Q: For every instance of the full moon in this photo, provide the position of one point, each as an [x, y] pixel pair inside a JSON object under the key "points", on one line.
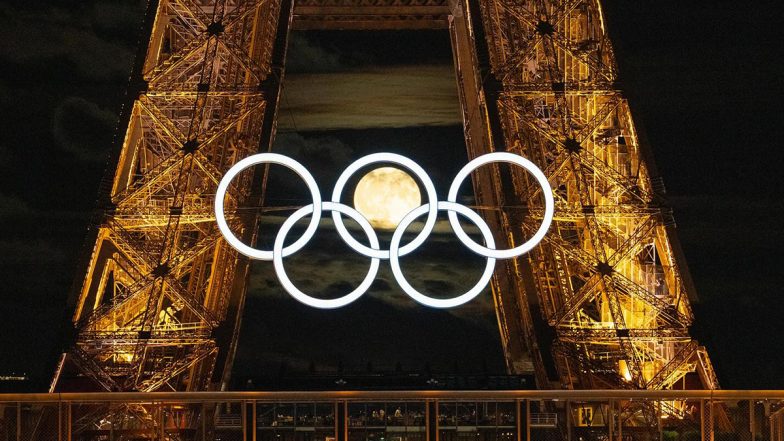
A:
{"points": [[385, 195]]}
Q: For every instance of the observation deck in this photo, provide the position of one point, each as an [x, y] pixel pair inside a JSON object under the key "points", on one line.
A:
{"points": [[511, 415]]}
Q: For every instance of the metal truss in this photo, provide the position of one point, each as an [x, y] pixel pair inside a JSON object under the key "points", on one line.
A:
{"points": [[372, 14], [608, 276], [160, 287], [160, 303]]}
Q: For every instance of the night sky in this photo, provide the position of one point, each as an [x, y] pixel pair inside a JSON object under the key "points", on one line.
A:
{"points": [[705, 85]]}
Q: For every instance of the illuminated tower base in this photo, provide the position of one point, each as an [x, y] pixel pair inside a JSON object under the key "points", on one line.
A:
{"points": [[161, 300]]}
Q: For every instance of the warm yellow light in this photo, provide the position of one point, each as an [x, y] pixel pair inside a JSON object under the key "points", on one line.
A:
{"points": [[624, 368], [385, 195], [123, 357]]}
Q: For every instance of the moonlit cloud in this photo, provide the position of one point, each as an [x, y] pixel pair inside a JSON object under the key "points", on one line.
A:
{"points": [[327, 268], [388, 97]]}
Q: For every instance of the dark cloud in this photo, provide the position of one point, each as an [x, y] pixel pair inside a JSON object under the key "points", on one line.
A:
{"points": [[82, 128], [438, 285], [323, 155], [13, 207], [5, 153], [381, 285], [313, 148], [440, 150], [305, 55], [55, 35], [283, 331], [327, 268], [29, 252], [119, 20]]}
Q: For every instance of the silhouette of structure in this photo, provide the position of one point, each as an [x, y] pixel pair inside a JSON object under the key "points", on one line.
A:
{"points": [[161, 300]]}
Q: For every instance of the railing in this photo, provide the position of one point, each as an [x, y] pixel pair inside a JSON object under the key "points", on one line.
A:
{"points": [[543, 419], [600, 415]]}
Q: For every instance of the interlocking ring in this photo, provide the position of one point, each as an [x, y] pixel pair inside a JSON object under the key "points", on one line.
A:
{"points": [[267, 158], [394, 262], [395, 250], [549, 204], [277, 259], [392, 158]]}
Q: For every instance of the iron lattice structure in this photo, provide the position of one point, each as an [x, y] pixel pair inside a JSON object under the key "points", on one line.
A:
{"points": [[160, 305], [162, 296], [609, 276]]}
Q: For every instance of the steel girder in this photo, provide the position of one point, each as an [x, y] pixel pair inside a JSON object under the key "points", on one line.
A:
{"points": [[607, 276], [159, 283]]}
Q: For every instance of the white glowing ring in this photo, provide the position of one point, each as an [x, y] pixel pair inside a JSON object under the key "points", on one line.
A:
{"points": [[395, 250], [549, 204], [277, 259], [267, 158], [394, 261], [392, 158]]}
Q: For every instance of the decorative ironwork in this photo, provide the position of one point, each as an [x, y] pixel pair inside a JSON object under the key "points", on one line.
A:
{"points": [[160, 287], [609, 278], [159, 306]]}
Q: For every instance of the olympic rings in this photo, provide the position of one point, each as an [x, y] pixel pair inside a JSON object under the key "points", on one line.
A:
{"points": [[373, 251]]}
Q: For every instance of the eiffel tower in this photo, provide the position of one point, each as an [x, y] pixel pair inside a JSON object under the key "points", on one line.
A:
{"points": [[160, 302]]}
